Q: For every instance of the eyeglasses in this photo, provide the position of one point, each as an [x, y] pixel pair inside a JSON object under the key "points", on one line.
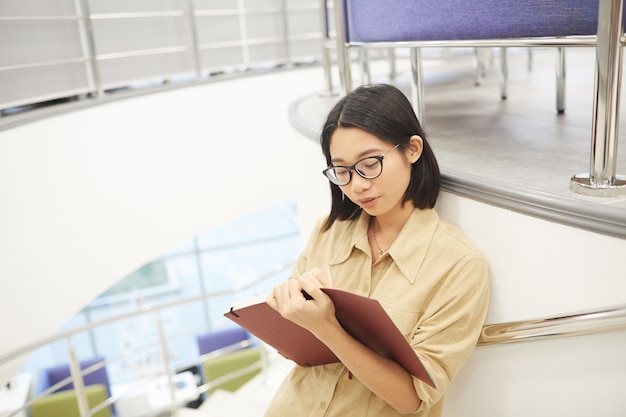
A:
{"points": [[369, 168]]}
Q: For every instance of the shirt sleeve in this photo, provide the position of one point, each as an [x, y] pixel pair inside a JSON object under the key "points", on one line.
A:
{"points": [[451, 325]]}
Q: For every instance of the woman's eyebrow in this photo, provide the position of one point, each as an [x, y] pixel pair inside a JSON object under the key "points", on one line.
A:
{"points": [[359, 156]]}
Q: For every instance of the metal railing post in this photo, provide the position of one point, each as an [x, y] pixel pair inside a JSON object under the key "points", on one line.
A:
{"points": [[504, 73], [77, 380], [82, 7], [417, 84], [194, 38], [560, 80], [325, 36], [343, 52], [602, 180], [166, 364], [284, 17], [243, 34]]}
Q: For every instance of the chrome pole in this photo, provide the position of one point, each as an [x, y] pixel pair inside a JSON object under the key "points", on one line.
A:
{"points": [[504, 73], [393, 71], [479, 65], [325, 36], [560, 80], [417, 84], [343, 51], [366, 72], [602, 180]]}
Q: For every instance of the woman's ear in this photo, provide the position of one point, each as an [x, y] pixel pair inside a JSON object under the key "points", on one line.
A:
{"points": [[414, 151]]}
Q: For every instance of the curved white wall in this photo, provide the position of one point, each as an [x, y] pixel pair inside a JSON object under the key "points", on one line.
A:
{"points": [[540, 268]]}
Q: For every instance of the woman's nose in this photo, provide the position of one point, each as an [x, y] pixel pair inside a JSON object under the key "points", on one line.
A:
{"points": [[359, 183]]}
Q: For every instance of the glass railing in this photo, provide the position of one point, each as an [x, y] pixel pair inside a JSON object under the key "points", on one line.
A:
{"points": [[67, 50]]}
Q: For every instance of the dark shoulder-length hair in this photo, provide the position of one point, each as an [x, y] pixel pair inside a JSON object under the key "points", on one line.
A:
{"points": [[384, 111]]}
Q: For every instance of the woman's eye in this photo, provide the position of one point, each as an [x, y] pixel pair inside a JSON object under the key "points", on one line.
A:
{"points": [[370, 164]]}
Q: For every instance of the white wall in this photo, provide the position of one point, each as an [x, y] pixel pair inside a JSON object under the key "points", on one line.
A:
{"points": [[539, 268]]}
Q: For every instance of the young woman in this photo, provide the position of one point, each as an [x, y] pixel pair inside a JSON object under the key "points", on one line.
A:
{"points": [[382, 239]]}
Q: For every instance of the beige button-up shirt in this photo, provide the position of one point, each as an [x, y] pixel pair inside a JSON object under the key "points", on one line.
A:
{"points": [[433, 284]]}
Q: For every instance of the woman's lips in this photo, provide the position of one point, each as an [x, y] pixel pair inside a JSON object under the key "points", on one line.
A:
{"points": [[368, 202]]}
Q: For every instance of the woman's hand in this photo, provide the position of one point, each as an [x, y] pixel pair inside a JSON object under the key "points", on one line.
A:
{"points": [[383, 376], [313, 314]]}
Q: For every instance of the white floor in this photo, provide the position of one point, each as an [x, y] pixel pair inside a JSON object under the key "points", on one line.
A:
{"points": [[520, 141]]}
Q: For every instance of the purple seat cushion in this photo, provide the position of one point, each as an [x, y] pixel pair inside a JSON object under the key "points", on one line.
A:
{"points": [[209, 342], [422, 20], [58, 373]]}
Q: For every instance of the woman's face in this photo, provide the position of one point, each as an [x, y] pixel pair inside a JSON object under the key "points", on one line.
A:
{"points": [[383, 195]]}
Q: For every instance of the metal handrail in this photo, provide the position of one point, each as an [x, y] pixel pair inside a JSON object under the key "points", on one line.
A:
{"points": [[143, 52], [236, 12], [573, 41], [584, 323], [137, 15], [38, 18], [42, 64]]}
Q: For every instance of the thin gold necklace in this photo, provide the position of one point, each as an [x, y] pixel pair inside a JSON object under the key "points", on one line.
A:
{"points": [[381, 252]]}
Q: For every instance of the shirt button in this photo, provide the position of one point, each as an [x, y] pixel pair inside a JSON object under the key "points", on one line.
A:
{"points": [[366, 288], [323, 405]]}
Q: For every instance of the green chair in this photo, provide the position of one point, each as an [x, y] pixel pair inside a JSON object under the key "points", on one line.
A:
{"points": [[64, 403], [221, 366]]}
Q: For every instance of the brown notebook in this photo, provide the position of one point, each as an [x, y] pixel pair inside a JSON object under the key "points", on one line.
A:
{"points": [[362, 317]]}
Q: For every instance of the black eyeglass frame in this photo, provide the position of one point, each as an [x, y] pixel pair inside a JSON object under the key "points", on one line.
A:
{"points": [[353, 167]]}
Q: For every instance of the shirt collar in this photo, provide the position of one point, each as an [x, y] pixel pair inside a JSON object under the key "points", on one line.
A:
{"points": [[408, 250]]}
